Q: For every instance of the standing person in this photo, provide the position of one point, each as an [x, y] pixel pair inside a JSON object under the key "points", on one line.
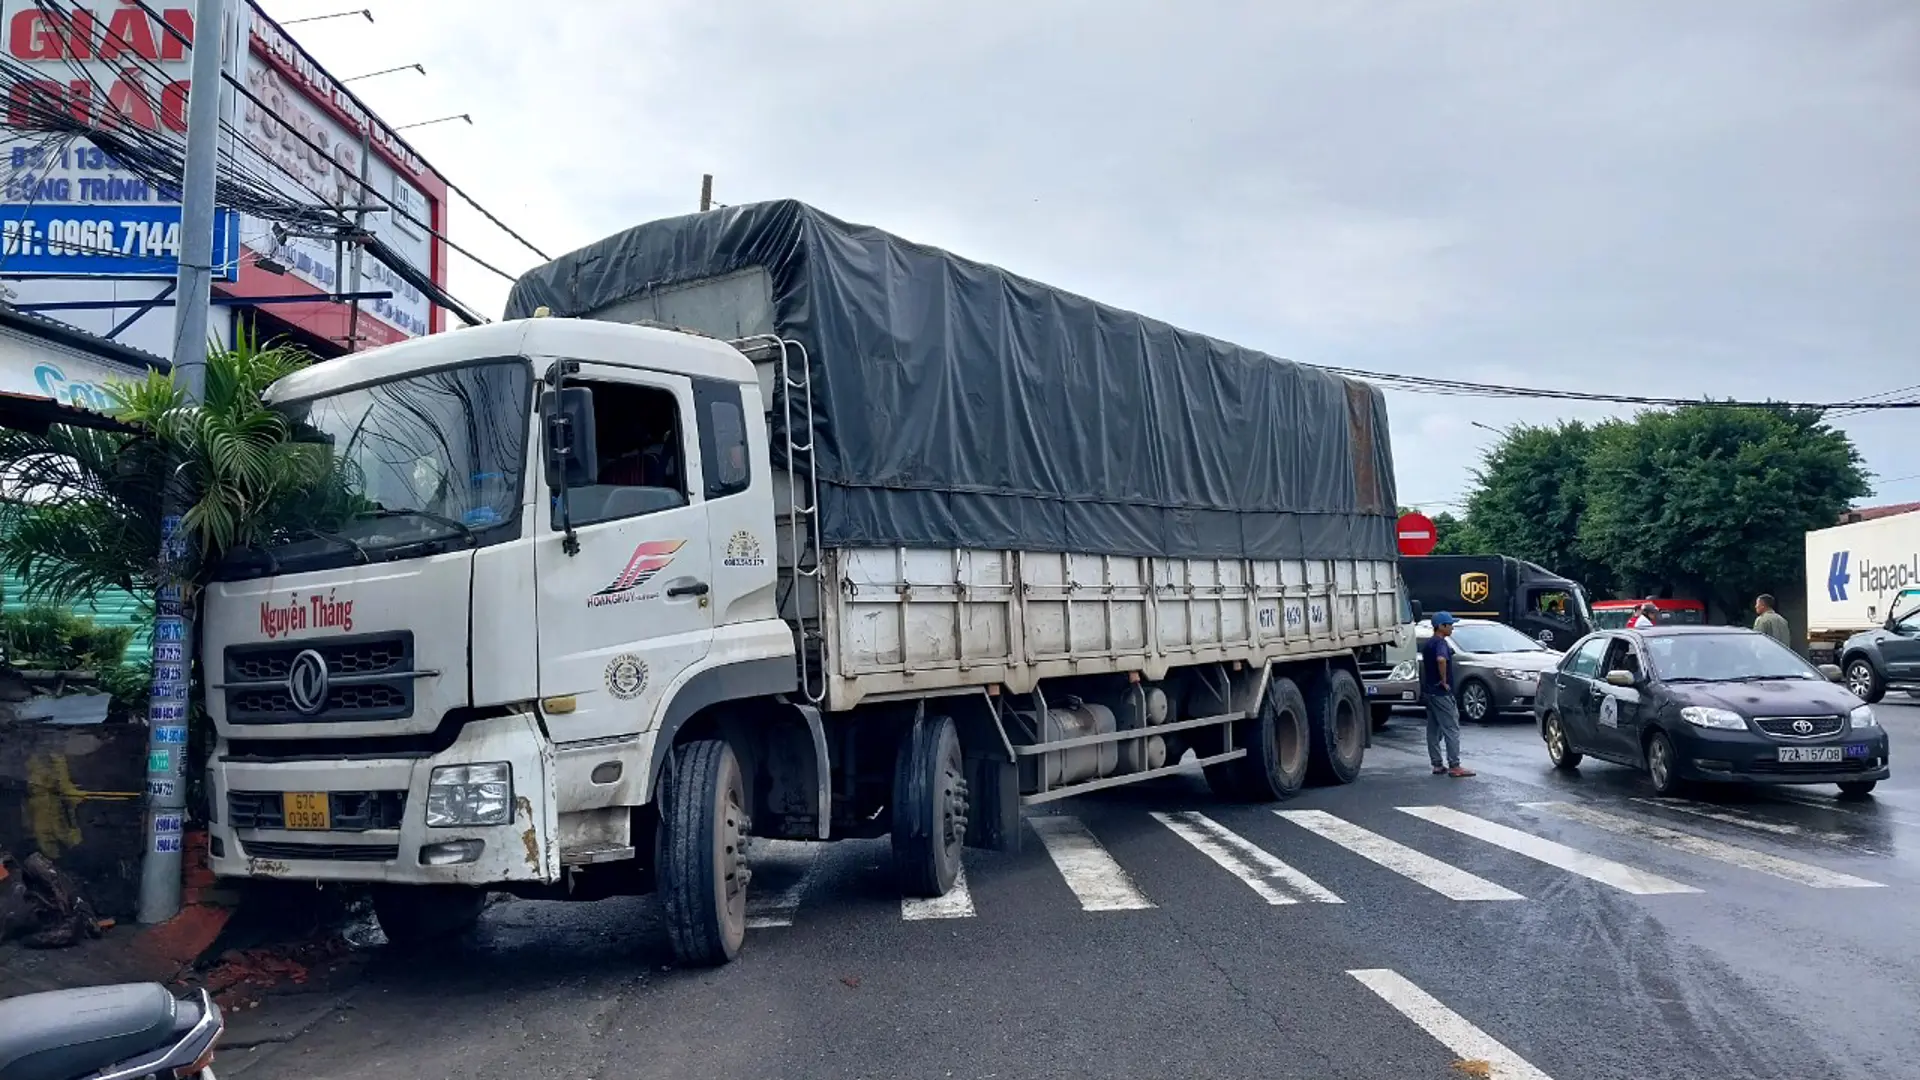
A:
{"points": [[1436, 686], [1646, 618], [1770, 622]]}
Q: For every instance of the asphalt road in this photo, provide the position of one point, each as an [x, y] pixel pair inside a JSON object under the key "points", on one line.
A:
{"points": [[1752, 933]]}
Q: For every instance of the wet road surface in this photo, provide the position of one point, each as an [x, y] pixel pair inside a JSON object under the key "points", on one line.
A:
{"points": [[1550, 925]]}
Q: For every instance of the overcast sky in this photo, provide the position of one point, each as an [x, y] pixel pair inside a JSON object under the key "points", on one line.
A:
{"points": [[1715, 197]]}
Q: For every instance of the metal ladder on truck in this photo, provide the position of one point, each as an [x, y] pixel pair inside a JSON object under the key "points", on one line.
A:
{"points": [[799, 585]]}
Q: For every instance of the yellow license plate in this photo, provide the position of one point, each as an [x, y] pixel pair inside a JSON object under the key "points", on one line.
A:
{"points": [[306, 811]]}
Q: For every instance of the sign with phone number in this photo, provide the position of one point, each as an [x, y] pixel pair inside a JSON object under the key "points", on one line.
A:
{"points": [[110, 241]]}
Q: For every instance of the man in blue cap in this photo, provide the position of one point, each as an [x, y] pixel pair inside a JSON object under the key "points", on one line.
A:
{"points": [[1436, 686]]}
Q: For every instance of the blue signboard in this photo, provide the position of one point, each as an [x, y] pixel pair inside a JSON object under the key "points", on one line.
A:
{"points": [[116, 241]]}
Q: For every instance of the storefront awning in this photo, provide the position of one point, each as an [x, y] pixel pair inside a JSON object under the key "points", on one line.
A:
{"points": [[26, 412]]}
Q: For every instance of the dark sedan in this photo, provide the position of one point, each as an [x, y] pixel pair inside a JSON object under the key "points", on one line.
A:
{"points": [[1700, 703]]}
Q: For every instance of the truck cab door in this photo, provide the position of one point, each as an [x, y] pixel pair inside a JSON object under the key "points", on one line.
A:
{"points": [[624, 617]]}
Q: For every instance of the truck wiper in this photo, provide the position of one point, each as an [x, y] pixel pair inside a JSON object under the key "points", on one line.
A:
{"points": [[460, 527], [336, 538]]}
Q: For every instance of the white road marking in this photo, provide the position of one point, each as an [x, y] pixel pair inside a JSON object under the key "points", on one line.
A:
{"points": [[957, 904], [1449, 1028], [1092, 874], [1540, 849], [1745, 820], [1240, 857], [1877, 810], [1447, 880], [765, 909], [1746, 858]]}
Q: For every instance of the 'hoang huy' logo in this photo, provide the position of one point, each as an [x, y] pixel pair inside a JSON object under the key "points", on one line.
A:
{"points": [[646, 563]]}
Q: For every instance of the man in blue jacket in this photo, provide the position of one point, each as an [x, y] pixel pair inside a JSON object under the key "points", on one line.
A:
{"points": [[1437, 687]]}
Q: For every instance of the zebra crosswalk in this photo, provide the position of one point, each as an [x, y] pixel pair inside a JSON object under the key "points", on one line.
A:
{"points": [[1425, 851]]}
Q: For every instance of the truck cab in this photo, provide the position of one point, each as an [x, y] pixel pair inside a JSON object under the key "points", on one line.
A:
{"points": [[1551, 609], [537, 548]]}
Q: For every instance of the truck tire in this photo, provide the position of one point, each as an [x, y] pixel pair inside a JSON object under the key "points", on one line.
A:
{"points": [[703, 865], [1339, 722], [418, 916], [1864, 681], [1279, 744], [929, 808]]}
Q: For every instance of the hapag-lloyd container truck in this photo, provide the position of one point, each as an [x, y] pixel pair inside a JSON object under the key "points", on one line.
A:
{"points": [[874, 542]]}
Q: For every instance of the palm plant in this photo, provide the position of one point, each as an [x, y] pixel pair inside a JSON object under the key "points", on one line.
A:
{"points": [[80, 508]]}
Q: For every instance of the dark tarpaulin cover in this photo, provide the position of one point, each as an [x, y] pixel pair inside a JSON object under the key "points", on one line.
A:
{"points": [[957, 405]]}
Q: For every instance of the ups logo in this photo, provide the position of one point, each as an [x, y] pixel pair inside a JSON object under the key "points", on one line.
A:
{"points": [[1474, 587]]}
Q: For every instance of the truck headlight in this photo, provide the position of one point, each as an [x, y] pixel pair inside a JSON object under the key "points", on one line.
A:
{"points": [[1862, 717], [1705, 716], [1404, 671], [470, 795]]}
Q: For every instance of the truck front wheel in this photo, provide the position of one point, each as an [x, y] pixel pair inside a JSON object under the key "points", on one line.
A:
{"points": [[929, 808], [416, 916], [703, 864]]}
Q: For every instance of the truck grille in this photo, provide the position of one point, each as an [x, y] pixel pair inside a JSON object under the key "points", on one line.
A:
{"points": [[1815, 727], [369, 677], [331, 852], [349, 811]]}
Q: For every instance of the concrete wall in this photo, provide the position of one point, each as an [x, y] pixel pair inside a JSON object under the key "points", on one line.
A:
{"points": [[74, 794]]}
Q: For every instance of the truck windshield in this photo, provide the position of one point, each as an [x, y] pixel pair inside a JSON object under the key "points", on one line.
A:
{"points": [[424, 459]]}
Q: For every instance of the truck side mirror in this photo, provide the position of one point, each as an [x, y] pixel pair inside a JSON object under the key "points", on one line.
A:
{"points": [[1418, 612], [572, 458]]}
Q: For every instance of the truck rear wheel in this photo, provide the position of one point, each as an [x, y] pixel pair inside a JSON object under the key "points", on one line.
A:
{"points": [[416, 916], [1339, 723], [703, 865], [1279, 749], [929, 808]]}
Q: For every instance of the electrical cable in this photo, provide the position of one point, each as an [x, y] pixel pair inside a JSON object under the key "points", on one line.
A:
{"points": [[395, 207], [1420, 384]]}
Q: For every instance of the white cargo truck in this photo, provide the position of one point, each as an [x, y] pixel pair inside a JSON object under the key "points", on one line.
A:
{"points": [[1854, 572], [885, 544]]}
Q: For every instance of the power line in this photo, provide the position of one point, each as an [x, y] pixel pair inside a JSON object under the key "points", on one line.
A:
{"points": [[369, 113], [1420, 384], [366, 187]]}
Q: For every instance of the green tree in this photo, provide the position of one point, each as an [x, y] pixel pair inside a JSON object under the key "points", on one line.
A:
{"points": [[1528, 499], [1714, 500]]}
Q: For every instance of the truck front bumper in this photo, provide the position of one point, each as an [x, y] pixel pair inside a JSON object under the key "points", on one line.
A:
{"points": [[375, 810]]}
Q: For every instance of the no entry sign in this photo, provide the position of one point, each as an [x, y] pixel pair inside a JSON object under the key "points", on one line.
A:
{"points": [[1416, 534]]}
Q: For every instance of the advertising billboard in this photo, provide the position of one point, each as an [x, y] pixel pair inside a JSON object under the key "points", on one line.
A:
{"points": [[81, 227]]}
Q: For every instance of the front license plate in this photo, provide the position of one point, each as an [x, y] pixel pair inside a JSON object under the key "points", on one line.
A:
{"points": [[1810, 754], [306, 811]]}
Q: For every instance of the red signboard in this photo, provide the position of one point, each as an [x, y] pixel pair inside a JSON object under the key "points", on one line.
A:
{"points": [[1417, 535]]}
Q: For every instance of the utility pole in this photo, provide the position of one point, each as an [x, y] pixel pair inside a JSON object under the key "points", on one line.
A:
{"points": [[160, 864], [359, 231], [706, 192]]}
